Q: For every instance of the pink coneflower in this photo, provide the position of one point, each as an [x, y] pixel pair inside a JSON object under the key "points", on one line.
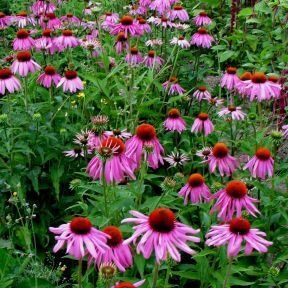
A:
{"points": [[121, 43], [221, 159], [232, 200], [126, 25], [202, 38], [46, 43], [161, 6], [285, 131], [118, 253], [180, 41], [94, 141], [242, 84], [214, 101], [202, 124], [181, 26], [8, 81], [129, 284], [49, 77], [71, 82], [153, 42], [67, 40], [202, 19], [173, 87], [232, 111], [162, 234], [176, 159], [196, 190], [80, 238], [110, 19], [22, 19], [112, 161], [42, 6], [230, 78], [204, 152], [152, 60], [134, 57], [144, 27], [163, 22], [261, 164], [234, 233], [93, 45], [262, 89], [145, 137], [180, 13], [50, 21], [23, 64], [201, 93], [174, 121], [117, 133], [76, 152], [83, 137], [5, 20], [23, 41], [69, 18]]}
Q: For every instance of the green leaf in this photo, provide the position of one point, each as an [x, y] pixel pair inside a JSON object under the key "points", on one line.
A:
{"points": [[245, 12], [226, 55]]}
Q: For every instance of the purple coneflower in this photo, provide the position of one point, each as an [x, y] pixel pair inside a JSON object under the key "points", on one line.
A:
{"points": [[117, 133], [162, 234], [8, 81], [234, 112], [202, 38], [152, 60], [42, 6], [261, 164], [163, 22], [71, 82], [49, 77], [174, 121], [111, 162], [80, 238], [129, 284], [173, 87], [23, 41], [221, 159], [204, 152], [285, 131], [232, 200], [145, 137], [134, 57], [22, 19], [244, 81], [46, 42], [76, 152], [5, 20], [70, 19], [180, 41], [234, 233], [121, 43], [126, 25], [23, 64], [67, 40], [144, 27], [176, 159], [180, 13], [201, 93], [161, 6], [196, 190], [50, 21], [154, 42], [202, 124], [202, 19], [230, 78]]}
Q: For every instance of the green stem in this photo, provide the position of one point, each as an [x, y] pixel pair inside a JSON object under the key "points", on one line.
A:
{"points": [[104, 183], [231, 137], [26, 94], [80, 273], [143, 171], [167, 275], [155, 274], [228, 273]]}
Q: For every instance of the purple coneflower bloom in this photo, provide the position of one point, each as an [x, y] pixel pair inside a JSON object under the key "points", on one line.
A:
{"points": [[75, 152], [153, 42], [201, 93], [117, 133], [163, 22], [161, 6], [50, 21], [180, 13], [196, 190], [49, 77], [23, 41], [234, 233], [261, 164], [42, 6], [202, 19], [93, 45], [242, 84], [285, 131], [234, 112], [230, 78], [126, 25], [176, 159], [67, 40], [22, 19], [180, 41], [70, 19], [214, 101], [5, 20], [121, 43], [145, 137], [70, 82], [202, 124], [23, 64], [46, 42], [221, 159], [134, 57], [129, 284], [204, 152], [174, 121], [232, 200], [173, 87], [181, 26], [144, 27], [111, 162], [8, 81], [94, 141], [202, 38], [110, 19], [162, 234], [152, 60], [118, 253], [80, 238]]}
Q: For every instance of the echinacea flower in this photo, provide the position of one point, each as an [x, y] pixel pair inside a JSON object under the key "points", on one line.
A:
{"points": [[5, 20], [152, 60], [232, 200], [204, 152], [234, 112], [126, 25], [41, 6], [80, 237], [202, 38], [174, 121], [163, 22], [230, 79], [92, 45], [23, 64], [202, 19], [134, 57], [83, 137], [69, 18], [145, 136], [162, 234], [176, 159], [111, 162], [50, 21], [161, 6], [261, 164], [244, 81], [76, 152], [180, 41], [202, 124], [173, 87], [118, 253], [121, 43], [23, 41], [71, 82], [49, 77], [221, 159], [144, 27], [178, 12], [46, 43], [285, 131], [234, 233], [67, 40], [117, 133], [8, 81], [195, 190], [129, 284], [201, 93], [154, 42], [22, 19]]}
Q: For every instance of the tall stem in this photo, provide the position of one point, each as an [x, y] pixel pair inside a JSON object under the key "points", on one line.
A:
{"points": [[228, 273], [26, 93], [155, 274], [80, 273], [104, 183]]}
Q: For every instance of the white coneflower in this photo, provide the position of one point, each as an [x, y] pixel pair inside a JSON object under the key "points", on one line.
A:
{"points": [[176, 159], [75, 152], [154, 42], [180, 41], [234, 112], [204, 152]]}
